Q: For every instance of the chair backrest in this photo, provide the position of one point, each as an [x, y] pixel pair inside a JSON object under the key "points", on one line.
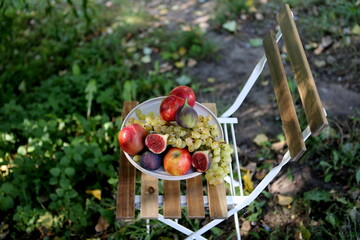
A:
{"points": [[314, 111], [309, 95]]}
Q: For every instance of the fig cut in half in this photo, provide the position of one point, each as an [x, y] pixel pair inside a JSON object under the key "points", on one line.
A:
{"points": [[156, 142], [201, 161]]}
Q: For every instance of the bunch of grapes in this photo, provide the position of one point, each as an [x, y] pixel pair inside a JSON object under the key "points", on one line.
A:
{"points": [[202, 137], [221, 152]]}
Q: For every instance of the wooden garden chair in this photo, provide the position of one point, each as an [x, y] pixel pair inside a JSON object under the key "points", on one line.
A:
{"points": [[221, 205]]}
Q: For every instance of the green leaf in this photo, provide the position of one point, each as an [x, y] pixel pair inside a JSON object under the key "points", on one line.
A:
{"points": [[9, 189], [331, 219], [306, 234], [342, 200], [65, 161], [77, 157], [113, 181], [53, 181], [21, 150], [129, 90], [256, 42], [183, 80], [358, 176], [59, 192], [317, 195], [55, 171], [6, 203], [91, 86], [335, 155], [230, 26], [64, 183], [53, 196], [76, 70], [90, 90], [217, 231], [266, 194], [325, 164], [328, 177], [30, 149], [69, 171]]}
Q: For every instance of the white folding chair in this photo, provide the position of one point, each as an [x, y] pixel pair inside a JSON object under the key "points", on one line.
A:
{"points": [[220, 206]]}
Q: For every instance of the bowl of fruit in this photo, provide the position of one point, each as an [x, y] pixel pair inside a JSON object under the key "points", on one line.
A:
{"points": [[174, 138]]}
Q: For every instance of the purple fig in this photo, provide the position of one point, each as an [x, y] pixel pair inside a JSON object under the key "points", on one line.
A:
{"points": [[151, 161], [201, 161], [156, 142], [186, 116]]}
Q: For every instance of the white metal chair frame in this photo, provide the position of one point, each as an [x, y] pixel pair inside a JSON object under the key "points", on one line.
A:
{"points": [[235, 202]]}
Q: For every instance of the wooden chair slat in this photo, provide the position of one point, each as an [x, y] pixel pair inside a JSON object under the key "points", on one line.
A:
{"points": [[125, 207], [308, 92], [284, 100], [217, 201], [194, 197], [217, 193], [149, 197], [172, 207]]}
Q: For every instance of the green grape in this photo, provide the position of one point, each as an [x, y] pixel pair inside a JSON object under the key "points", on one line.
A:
{"points": [[189, 141], [209, 141], [182, 133], [136, 158], [138, 112], [191, 148], [216, 152], [216, 159], [162, 121], [163, 128], [204, 136], [195, 134], [206, 131], [157, 128], [197, 143], [214, 145]]}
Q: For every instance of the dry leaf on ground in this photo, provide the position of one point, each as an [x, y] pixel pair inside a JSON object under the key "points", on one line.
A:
{"points": [[245, 228], [96, 193], [260, 139], [102, 225], [284, 200], [278, 146], [248, 184]]}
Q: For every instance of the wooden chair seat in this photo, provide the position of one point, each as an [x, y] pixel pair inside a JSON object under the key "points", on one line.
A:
{"points": [[169, 199]]}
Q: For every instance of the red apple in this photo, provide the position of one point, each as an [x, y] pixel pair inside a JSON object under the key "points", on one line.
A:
{"points": [[132, 138], [177, 161], [185, 93], [169, 107]]}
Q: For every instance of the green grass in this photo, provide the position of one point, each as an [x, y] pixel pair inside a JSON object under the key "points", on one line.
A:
{"points": [[66, 68], [334, 18]]}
